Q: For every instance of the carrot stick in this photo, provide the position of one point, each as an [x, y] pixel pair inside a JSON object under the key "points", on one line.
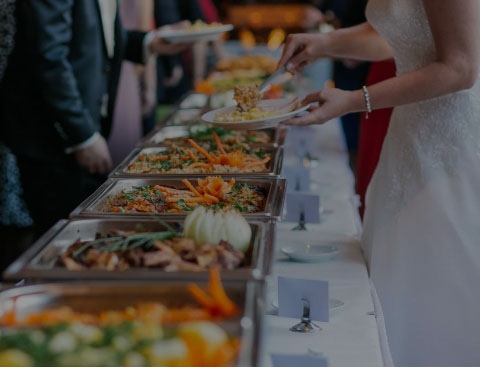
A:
{"points": [[192, 156], [211, 198], [218, 294], [177, 315], [196, 199], [219, 143], [190, 187], [254, 164], [200, 164], [169, 190], [202, 183], [258, 163], [200, 199], [201, 150], [201, 296], [159, 158], [9, 317]]}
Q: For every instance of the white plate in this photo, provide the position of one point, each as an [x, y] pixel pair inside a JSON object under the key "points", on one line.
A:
{"points": [[266, 122], [187, 36], [310, 253]]}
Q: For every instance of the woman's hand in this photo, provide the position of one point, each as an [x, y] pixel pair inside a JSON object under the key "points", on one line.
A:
{"points": [[326, 105], [302, 49]]}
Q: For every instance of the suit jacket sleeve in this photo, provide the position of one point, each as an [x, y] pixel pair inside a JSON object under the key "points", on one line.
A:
{"points": [[135, 47], [51, 32], [191, 10]]}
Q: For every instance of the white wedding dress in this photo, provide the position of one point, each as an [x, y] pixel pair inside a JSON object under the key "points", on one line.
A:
{"points": [[422, 222]]}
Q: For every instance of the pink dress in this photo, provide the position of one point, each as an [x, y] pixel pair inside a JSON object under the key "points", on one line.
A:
{"points": [[127, 116]]}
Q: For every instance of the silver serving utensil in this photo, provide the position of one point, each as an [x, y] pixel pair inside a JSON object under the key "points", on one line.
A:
{"points": [[264, 86]]}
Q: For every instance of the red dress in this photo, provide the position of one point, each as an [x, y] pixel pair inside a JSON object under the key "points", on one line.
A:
{"points": [[209, 11], [372, 132]]}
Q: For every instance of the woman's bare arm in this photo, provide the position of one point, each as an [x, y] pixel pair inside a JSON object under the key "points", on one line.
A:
{"points": [[454, 26], [359, 42]]}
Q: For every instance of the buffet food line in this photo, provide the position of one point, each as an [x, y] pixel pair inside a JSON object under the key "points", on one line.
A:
{"points": [[125, 256]]}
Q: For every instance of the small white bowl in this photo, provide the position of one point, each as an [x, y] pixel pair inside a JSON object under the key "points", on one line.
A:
{"points": [[310, 253]]}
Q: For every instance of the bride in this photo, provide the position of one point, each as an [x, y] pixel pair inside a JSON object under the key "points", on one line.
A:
{"points": [[421, 229]]}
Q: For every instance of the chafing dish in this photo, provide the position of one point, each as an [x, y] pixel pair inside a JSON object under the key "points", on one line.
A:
{"points": [[274, 166], [272, 187], [41, 261], [160, 137], [94, 297], [187, 116], [194, 100]]}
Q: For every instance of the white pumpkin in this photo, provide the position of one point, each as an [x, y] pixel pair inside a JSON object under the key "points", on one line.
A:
{"points": [[206, 225]]}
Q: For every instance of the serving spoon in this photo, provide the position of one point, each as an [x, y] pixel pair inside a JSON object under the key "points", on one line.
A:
{"points": [[264, 86]]}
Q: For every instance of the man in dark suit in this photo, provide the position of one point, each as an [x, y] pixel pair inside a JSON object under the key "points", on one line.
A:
{"points": [[57, 98], [171, 69]]}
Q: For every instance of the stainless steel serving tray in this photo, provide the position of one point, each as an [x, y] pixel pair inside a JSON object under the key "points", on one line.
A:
{"points": [[186, 116], [274, 166], [101, 296], [273, 188], [194, 100], [40, 262], [158, 137]]}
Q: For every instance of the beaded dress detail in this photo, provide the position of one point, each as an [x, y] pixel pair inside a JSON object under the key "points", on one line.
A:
{"points": [[421, 229]]}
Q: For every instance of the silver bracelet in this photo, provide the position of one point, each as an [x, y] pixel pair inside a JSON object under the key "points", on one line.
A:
{"points": [[367, 101]]}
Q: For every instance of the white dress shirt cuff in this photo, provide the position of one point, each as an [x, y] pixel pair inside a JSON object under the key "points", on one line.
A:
{"points": [[83, 145]]}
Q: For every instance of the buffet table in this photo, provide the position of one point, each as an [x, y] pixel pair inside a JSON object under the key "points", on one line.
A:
{"points": [[351, 337]]}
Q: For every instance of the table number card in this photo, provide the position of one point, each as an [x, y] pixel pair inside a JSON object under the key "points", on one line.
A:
{"points": [[302, 140], [298, 178], [292, 290], [301, 204], [303, 360]]}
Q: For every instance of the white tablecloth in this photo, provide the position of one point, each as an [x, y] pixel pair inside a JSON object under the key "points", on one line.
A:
{"points": [[351, 337]]}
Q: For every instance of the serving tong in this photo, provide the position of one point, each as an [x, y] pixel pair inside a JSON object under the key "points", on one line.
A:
{"points": [[264, 86]]}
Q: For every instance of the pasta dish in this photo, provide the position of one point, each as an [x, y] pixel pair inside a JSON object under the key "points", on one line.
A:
{"points": [[198, 160], [247, 98], [231, 139]]}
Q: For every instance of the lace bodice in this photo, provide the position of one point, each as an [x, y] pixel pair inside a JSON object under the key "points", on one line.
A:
{"points": [[404, 24]]}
